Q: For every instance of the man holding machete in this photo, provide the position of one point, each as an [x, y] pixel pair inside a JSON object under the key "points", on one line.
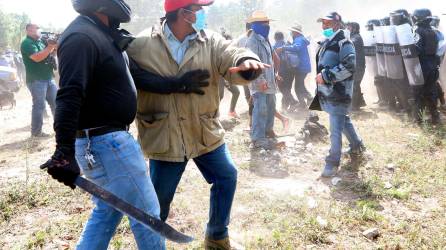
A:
{"points": [[96, 104]]}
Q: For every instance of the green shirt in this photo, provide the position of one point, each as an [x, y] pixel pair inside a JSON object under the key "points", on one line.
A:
{"points": [[35, 71]]}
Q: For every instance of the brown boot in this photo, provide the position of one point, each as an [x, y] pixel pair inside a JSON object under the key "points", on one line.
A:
{"points": [[224, 244]]}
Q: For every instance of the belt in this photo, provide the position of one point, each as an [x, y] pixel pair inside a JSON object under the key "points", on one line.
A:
{"points": [[92, 132]]}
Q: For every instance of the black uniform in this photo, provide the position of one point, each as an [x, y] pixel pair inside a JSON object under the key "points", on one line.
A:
{"points": [[426, 95], [358, 98]]}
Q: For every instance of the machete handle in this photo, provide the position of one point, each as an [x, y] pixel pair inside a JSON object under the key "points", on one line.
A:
{"points": [[45, 165]]}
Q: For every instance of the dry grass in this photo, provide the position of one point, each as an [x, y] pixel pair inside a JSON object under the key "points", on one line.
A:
{"points": [[280, 203]]}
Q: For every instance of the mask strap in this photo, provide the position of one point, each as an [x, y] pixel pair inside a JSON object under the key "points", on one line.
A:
{"points": [[192, 12]]}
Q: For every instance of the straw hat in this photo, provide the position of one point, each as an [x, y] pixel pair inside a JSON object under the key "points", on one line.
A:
{"points": [[258, 16], [296, 28]]}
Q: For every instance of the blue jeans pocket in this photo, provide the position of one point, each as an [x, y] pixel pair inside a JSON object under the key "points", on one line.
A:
{"points": [[122, 144]]}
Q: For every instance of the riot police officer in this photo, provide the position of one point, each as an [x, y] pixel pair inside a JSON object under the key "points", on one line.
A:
{"points": [[427, 45]]}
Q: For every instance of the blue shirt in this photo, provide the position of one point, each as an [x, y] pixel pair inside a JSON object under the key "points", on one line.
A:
{"points": [[300, 46], [440, 35], [177, 48]]}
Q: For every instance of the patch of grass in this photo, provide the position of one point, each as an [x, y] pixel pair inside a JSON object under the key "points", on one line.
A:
{"points": [[291, 224], [364, 188], [37, 240], [117, 243], [16, 196], [367, 210], [398, 193]]}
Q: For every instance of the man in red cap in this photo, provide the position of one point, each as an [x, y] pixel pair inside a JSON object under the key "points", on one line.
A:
{"points": [[176, 128]]}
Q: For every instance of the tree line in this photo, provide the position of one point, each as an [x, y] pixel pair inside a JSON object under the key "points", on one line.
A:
{"points": [[12, 30]]}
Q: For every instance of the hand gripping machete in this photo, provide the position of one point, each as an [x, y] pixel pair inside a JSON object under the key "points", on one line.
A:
{"points": [[145, 219]]}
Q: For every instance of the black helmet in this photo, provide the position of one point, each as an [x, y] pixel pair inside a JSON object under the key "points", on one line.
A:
{"points": [[399, 17], [402, 11], [116, 9], [372, 23], [422, 16], [435, 22], [385, 21]]}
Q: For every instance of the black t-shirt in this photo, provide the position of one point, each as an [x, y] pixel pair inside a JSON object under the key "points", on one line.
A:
{"points": [[96, 85]]}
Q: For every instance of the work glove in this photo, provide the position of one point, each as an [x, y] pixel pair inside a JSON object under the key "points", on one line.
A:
{"points": [[193, 82], [62, 167]]}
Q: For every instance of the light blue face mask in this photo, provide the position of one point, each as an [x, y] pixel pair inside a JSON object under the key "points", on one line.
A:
{"points": [[200, 23], [200, 19], [328, 32]]}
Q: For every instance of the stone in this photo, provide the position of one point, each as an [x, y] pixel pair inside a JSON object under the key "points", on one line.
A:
{"points": [[390, 166], [371, 233], [321, 221], [335, 181], [388, 185], [312, 203], [332, 239]]}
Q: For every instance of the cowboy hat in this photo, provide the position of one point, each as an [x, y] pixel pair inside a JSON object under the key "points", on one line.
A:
{"points": [[296, 28], [258, 16]]}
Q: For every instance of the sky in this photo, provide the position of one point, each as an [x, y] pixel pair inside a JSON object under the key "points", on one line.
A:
{"points": [[45, 12], [59, 13]]}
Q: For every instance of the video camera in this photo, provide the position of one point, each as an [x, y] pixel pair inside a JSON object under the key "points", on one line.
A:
{"points": [[50, 38]]}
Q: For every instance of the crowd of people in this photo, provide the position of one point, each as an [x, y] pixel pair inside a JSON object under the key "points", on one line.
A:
{"points": [[180, 70]]}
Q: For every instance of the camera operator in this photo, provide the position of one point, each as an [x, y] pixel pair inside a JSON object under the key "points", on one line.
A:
{"points": [[39, 76]]}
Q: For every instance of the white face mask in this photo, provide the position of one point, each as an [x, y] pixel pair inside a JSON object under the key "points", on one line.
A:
{"points": [[347, 33]]}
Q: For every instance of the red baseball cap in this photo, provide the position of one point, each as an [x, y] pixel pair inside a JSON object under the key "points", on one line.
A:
{"points": [[172, 5]]}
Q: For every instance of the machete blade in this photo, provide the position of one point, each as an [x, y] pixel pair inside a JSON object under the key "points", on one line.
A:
{"points": [[145, 219]]}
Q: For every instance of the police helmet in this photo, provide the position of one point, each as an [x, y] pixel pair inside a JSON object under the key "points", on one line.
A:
{"points": [[116, 9]]}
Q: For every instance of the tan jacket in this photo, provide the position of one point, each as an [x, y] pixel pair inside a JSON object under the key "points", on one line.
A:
{"points": [[178, 126]]}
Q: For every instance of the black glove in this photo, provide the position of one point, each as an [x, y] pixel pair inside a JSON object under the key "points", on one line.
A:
{"points": [[62, 167], [193, 81]]}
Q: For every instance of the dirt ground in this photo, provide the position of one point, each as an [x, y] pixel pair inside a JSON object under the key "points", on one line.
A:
{"points": [[399, 189]]}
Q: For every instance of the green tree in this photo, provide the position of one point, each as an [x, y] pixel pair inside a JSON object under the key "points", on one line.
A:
{"points": [[145, 14], [249, 6], [12, 30]]}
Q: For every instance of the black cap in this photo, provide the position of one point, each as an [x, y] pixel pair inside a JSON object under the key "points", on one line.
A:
{"points": [[332, 16]]}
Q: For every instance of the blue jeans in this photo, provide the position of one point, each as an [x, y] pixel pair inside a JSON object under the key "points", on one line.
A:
{"points": [[41, 91], [120, 168], [340, 123], [218, 169], [263, 115]]}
